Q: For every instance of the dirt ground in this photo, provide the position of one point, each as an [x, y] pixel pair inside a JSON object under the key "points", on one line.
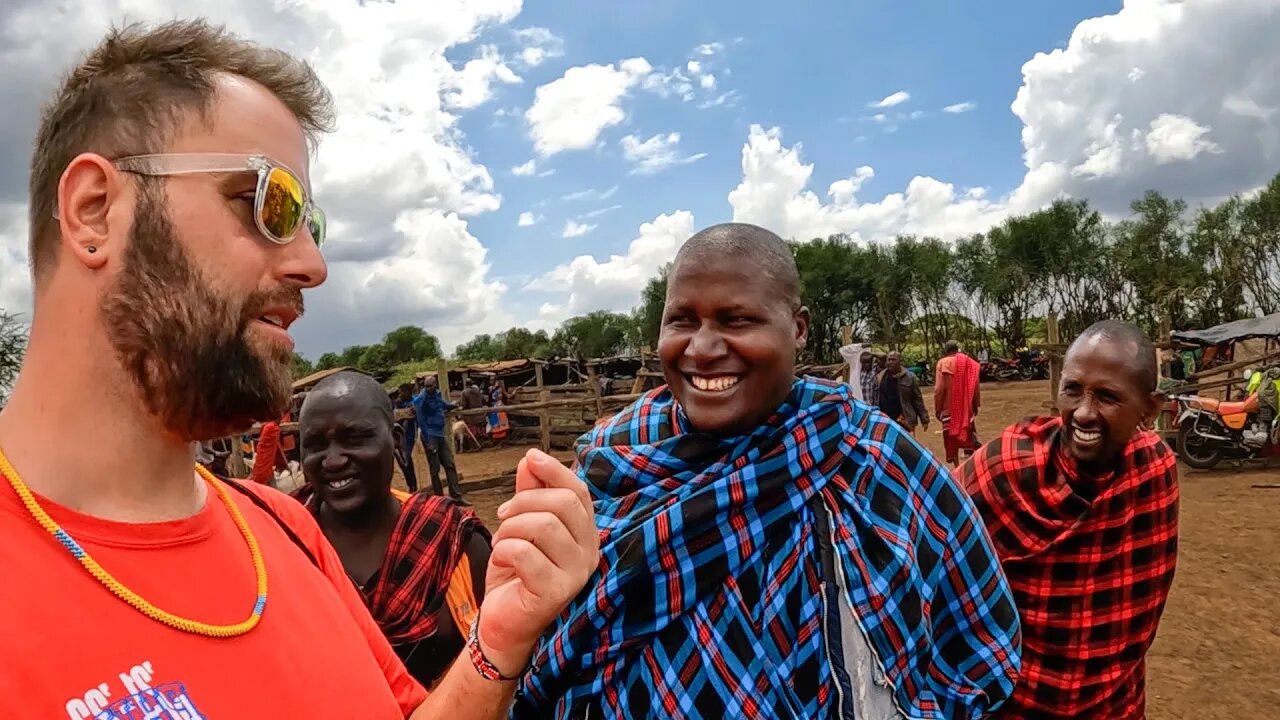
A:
{"points": [[1217, 654]]}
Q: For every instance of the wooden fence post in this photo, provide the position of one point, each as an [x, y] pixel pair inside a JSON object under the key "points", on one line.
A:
{"points": [[544, 418], [1055, 360], [1166, 336], [595, 390], [846, 335], [236, 466]]}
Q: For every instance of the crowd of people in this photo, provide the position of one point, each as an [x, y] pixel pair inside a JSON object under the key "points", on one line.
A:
{"points": [[740, 542]]}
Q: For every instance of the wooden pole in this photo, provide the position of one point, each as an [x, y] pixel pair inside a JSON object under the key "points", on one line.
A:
{"points": [[595, 390], [544, 420], [1166, 334], [846, 335], [236, 466], [1238, 365], [1055, 361]]}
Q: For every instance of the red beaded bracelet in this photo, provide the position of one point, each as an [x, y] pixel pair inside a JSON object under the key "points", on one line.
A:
{"points": [[487, 669]]}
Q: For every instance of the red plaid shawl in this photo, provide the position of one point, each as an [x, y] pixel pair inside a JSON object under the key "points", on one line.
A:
{"points": [[1090, 577], [407, 592]]}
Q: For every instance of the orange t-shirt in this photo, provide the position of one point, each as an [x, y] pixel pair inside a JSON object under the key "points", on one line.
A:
{"points": [[946, 366], [71, 649]]}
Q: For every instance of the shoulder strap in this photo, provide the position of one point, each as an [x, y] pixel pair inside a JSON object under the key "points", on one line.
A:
{"points": [[266, 507]]}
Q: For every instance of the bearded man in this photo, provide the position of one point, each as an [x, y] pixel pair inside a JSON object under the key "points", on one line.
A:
{"points": [[171, 237]]}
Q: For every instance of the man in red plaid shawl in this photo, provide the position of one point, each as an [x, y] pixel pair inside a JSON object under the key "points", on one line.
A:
{"points": [[419, 560], [1083, 510]]}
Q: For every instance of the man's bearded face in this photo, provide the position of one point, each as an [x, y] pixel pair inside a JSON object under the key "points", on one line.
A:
{"points": [[185, 345]]}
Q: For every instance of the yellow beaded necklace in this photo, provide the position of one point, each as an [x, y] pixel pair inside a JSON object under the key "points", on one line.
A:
{"points": [[127, 595]]}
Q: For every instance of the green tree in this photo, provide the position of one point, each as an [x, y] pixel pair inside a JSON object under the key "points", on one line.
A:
{"points": [[328, 361], [376, 360], [409, 343], [648, 316], [13, 345], [300, 366], [597, 334], [1260, 262], [480, 348], [518, 343], [350, 355], [1152, 249]]}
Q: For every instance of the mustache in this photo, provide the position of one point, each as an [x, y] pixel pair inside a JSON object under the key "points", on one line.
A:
{"points": [[284, 296]]}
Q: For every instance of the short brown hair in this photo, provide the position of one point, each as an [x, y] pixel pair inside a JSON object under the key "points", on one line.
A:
{"points": [[134, 89]]}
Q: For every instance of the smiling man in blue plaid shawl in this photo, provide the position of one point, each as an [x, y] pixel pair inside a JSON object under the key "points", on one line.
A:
{"points": [[771, 547]]}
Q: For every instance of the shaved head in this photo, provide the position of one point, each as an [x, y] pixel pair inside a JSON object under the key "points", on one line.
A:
{"points": [[1143, 352], [350, 387], [751, 244]]}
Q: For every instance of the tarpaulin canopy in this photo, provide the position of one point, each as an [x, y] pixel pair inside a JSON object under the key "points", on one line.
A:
{"points": [[1263, 327]]}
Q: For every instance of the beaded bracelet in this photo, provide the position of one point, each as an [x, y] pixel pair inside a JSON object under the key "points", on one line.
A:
{"points": [[487, 669]]}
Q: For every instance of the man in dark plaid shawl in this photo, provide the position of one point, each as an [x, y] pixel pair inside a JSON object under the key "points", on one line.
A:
{"points": [[419, 560], [771, 547], [1083, 510]]}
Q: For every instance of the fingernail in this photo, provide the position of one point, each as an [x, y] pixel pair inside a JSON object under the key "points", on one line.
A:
{"points": [[537, 457], [502, 509]]}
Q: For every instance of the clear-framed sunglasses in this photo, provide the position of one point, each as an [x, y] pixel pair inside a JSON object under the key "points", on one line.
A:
{"points": [[280, 203]]}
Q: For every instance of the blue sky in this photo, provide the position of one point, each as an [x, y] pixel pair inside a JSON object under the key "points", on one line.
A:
{"points": [[812, 73]]}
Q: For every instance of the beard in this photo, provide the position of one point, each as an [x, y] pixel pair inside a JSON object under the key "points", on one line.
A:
{"points": [[186, 346]]}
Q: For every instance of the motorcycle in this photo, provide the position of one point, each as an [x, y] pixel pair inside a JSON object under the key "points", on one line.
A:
{"points": [[1004, 370], [1032, 365], [1210, 431], [923, 372]]}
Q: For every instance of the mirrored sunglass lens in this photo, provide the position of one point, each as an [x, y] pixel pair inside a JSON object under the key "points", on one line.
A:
{"points": [[319, 225], [282, 205]]}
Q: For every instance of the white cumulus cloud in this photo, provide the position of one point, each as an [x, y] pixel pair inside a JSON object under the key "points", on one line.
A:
{"points": [[614, 284], [527, 219], [774, 193], [1107, 116], [1175, 137], [569, 113], [963, 107]]}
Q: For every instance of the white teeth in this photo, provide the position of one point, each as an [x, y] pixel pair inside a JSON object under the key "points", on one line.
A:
{"points": [[1086, 435], [714, 384], [340, 484], [274, 320]]}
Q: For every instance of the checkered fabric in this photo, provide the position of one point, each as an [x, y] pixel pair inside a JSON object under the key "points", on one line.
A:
{"points": [[1090, 559], [408, 591], [709, 601]]}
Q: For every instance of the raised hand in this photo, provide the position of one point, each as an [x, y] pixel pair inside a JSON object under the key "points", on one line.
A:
{"points": [[545, 550]]}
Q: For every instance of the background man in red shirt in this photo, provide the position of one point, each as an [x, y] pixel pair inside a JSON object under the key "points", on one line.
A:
{"points": [[1083, 511], [172, 235]]}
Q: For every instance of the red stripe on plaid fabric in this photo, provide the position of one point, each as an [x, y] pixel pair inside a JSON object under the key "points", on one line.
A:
{"points": [[1090, 576]]}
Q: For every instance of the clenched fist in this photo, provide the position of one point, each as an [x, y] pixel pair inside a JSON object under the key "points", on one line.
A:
{"points": [[545, 550]]}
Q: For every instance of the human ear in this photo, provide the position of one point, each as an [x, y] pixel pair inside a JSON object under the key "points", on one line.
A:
{"points": [[1154, 402], [89, 192], [802, 327], [397, 442]]}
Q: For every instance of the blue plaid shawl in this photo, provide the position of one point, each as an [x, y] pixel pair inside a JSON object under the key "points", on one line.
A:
{"points": [[709, 602]]}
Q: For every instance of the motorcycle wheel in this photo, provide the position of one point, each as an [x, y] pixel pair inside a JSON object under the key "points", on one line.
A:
{"points": [[1026, 373], [1197, 452]]}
